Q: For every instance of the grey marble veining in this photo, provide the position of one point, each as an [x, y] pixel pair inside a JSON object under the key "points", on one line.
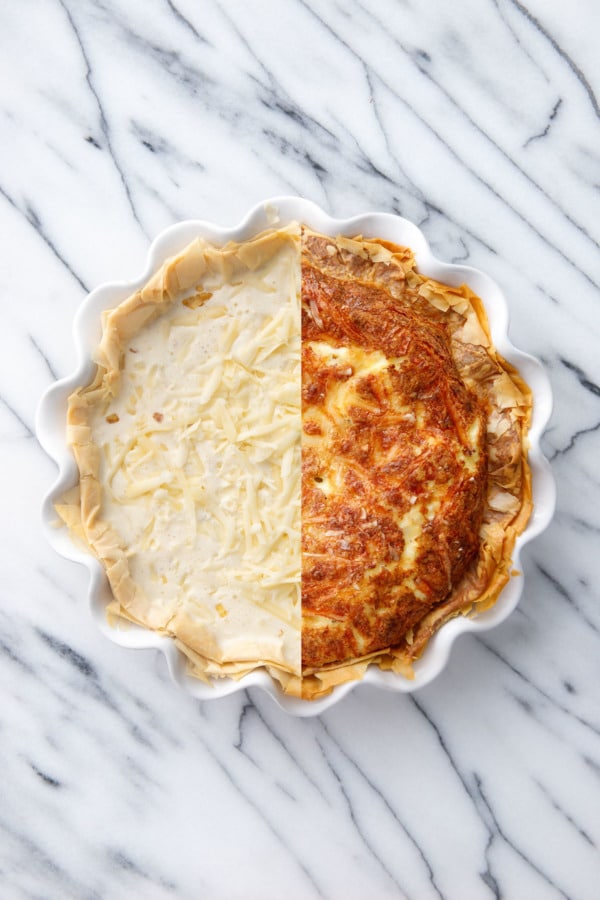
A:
{"points": [[480, 122]]}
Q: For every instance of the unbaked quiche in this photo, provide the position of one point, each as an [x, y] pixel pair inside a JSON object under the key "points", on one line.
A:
{"points": [[298, 453]]}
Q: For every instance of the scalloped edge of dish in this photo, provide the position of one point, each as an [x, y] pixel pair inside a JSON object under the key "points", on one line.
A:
{"points": [[51, 423]]}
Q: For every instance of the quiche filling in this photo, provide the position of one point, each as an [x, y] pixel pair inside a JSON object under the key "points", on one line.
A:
{"points": [[299, 454]]}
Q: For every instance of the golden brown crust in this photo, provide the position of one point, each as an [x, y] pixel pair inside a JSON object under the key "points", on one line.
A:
{"points": [[437, 428]]}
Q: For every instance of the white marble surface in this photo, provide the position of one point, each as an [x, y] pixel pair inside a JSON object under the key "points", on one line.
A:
{"points": [[479, 121]]}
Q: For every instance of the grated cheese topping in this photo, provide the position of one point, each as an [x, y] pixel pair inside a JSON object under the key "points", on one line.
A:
{"points": [[200, 459]]}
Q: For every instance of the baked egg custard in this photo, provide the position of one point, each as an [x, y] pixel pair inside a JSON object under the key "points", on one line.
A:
{"points": [[298, 453]]}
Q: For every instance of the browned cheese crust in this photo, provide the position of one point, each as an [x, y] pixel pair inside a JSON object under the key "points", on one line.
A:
{"points": [[406, 446]]}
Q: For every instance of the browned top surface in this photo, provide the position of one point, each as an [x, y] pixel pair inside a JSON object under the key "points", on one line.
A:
{"points": [[393, 473]]}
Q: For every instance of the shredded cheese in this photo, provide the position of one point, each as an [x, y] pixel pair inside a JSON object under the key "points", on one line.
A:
{"points": [[204, 460]]}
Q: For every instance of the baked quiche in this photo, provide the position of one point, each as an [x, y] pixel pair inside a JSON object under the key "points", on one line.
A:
{"points": [[298, 453], [414, 474]]}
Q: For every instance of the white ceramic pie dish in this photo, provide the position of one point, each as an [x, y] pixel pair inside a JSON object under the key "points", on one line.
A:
{"points": [[51, 424]]}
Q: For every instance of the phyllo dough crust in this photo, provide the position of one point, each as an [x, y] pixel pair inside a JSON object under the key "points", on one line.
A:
{"points": [[188, 446]]}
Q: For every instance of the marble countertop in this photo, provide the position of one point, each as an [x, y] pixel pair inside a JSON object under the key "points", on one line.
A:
{"points": [[480, 122]]}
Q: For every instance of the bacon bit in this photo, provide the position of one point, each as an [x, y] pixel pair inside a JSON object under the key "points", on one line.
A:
{"points": [[158, 417], [197, 300], [112, 418]]}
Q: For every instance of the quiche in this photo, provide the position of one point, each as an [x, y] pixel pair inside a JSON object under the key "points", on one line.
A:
{"points": [[299, 454]]}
